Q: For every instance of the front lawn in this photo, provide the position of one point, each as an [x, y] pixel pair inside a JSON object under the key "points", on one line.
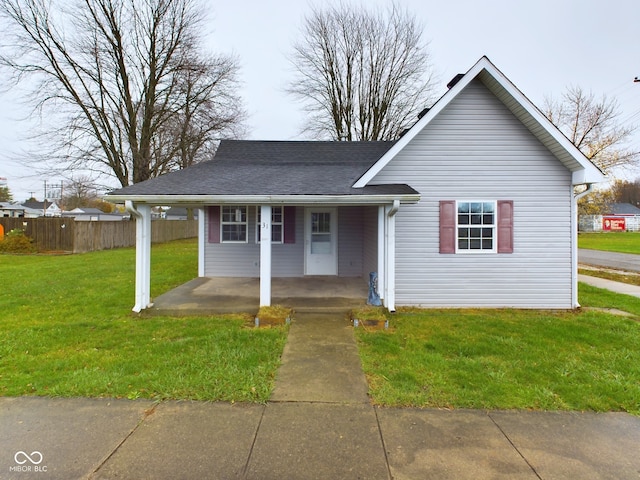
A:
{"points": [[66, 330], [621, 242], [509, 359]]}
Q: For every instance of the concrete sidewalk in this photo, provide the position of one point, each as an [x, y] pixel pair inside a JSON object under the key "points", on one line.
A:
{"points": [[79, 438], [617, 287]]}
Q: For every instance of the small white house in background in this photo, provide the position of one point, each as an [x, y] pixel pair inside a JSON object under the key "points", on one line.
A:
{"points": [[473, 207], [16, 210], [42, 209], [88, 214]]}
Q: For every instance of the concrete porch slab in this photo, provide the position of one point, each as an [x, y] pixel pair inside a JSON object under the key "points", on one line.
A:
{"points": [[214, 295]]}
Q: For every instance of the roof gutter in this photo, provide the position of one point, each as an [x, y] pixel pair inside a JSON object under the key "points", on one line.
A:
{"points": [[262, 199]]}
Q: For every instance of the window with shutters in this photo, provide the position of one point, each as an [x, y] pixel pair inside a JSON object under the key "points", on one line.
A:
{"points": [[233, 224], [277, 224], [476, 226]]}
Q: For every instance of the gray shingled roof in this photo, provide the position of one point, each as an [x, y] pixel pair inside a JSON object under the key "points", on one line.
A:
{"points": [[624, 209], [248, 167]]}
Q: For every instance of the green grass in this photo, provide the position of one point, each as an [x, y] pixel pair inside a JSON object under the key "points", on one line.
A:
{"points": [[66, 330], [509, 359], [622, 242]]}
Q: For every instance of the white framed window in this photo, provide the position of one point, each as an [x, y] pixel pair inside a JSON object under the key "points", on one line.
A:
{"points": [[234, 224], [277, 224], [476, 226]]}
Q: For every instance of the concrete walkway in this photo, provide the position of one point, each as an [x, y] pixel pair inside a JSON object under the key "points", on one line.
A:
{"points": [[319, 425], [320, 362], [617, 287]]}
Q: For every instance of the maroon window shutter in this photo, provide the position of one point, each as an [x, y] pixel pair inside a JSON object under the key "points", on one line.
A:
{"points": [[448, 226], [289, 224], [505, 226], [214, 224]]}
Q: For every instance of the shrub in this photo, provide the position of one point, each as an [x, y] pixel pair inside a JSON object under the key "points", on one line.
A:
{"points": [[17, 242]]}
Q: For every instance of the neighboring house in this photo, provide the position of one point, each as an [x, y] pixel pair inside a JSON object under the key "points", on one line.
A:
{"points": [[172, 213], [15, 210], [89, 214], [12, 210], [46, 209], [473, 207]]}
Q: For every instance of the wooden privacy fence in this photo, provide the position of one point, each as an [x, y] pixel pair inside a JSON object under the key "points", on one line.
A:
{"points": [[65, 234]]}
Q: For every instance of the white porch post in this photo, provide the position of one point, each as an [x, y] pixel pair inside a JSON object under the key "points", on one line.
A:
{"points": [[201, 242], [265, 255], [382, 279], [142, 213]]}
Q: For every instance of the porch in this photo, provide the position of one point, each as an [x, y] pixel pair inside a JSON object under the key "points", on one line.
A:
{"points": [[214, 295]]}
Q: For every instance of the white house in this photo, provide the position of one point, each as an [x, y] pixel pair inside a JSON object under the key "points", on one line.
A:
{"points": [[473, 206]]}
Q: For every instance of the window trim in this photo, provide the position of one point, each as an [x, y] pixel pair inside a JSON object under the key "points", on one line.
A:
{"points": [[493, 227], [245, 223], [280, 223]]}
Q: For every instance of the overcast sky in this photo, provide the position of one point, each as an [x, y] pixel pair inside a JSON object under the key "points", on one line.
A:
{"points": [[542, 47]]}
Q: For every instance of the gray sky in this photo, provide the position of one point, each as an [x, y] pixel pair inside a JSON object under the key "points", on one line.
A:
{"points": [[542, 46]]}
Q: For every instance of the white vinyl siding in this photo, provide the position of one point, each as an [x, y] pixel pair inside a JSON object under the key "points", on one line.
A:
{"points": [[477, 149]]}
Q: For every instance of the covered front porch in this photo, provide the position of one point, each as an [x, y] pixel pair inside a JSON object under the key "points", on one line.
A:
{"points": [[213, 295], [356, 239]]}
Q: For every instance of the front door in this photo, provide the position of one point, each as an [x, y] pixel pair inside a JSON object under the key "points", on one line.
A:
{"points": [[321, 228]]}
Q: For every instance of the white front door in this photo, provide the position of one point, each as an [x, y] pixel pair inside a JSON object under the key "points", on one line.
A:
{"points": [[321, 249]]}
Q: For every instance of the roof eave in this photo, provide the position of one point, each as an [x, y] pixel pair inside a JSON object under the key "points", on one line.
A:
{"points": [[201, 200]]}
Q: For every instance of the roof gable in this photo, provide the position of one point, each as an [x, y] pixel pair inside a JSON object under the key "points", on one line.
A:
{"points": [[568, 154]]}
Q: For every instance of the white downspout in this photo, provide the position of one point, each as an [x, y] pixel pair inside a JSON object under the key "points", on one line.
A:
{"points": [[574, 244], [390, 267], [382, 274], [142, 214]]}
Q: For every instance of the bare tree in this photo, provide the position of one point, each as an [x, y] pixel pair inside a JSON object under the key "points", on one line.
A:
{"points": [[208, 111], [361, 74], [593, 126], [113, 71]]}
